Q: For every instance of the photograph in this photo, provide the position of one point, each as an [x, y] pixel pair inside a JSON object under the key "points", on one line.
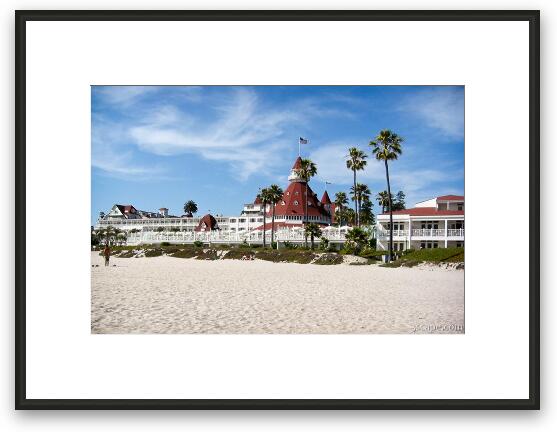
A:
{"points": [[277, 209]]}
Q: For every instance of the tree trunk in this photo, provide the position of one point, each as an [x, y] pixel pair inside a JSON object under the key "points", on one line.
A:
{"points": [[312, 241], [273, 227], [264, 211], [305, 218], [356, 218], [390, 212]]}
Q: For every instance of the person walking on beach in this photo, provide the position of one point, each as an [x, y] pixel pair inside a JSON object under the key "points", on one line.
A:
{"points": [[106, 253]]}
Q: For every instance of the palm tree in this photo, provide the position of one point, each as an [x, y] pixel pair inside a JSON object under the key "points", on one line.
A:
{"points": [[359, 192], [275, 196], [383, 200], [340, 201], [307, 171], [386, 147], [190, 208], [313, 230], [356, 162], [358, 237], [264, 196]]}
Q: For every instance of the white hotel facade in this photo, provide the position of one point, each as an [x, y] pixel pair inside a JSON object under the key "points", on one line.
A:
{"points": [[435, 223]]}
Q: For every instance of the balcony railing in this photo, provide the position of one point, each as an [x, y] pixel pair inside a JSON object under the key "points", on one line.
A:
{"points": [[423, 233]]}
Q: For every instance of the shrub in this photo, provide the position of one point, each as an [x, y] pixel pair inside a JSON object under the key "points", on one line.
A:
{"points": [[238, 254], [435, 255], [209, 254], [163, 244], [198, 243], [329, 259], [186, 253], [153, 253], [324, 244], [286, 255]]}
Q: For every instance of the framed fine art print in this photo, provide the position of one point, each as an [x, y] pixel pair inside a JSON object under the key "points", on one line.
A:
{"points": [[277, 209]]}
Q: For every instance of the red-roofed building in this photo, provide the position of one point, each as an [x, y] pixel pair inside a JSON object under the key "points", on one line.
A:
{"points": [[434, 223]]}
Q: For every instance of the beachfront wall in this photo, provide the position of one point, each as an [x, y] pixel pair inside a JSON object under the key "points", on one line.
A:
{"points": [[421, 232], [336, 236]]}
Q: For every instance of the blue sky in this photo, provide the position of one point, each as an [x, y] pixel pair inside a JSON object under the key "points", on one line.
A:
{"points": [[161, 146]]}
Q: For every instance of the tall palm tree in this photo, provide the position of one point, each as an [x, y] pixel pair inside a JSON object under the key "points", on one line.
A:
{"points": [[190, 208], [356, 162], [264, 197], [383, 200], [388, 146], [275, 196], [306, 172], [340, 201], [313, 230]]}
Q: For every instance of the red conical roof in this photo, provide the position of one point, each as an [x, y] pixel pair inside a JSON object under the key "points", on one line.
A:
{"points": [[325, 198], [258, 200], [293, 202], [297, 164], [207, 223]]}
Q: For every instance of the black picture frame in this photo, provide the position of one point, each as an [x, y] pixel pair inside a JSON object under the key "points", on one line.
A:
{"points": [[531, 16]]}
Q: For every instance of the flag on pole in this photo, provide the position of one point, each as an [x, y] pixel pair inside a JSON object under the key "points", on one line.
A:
{"points": [[303, 141]]}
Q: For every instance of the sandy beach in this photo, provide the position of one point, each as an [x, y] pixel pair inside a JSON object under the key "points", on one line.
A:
{"points": [[174, 295]]}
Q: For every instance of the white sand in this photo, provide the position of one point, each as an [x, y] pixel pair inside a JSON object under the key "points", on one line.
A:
{"points": [[174, 295]]}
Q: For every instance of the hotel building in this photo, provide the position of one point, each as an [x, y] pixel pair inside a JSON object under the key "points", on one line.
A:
{"points": [[435, 223]]}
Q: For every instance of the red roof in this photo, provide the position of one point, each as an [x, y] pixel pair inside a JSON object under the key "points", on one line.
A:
{"points": [[297, 164], [294, 202], [126, 209], [207, 223], [257, 200], [427, 211], [325, 198], [451, 198], [278, 225]]}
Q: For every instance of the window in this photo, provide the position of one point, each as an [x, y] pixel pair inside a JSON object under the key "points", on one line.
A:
{"points": [[296, 193], [232, 220], [296, 202], [242, 220], [282, 203], [459, 207], [287, 193]]}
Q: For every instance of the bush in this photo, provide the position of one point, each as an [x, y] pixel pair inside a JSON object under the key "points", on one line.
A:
{"points": [[286, 255], [324, 244], [209, 254], [372, 253], [186, 253], [198, 243], [163, 244], [435, 255], [153, 253], [238, 254], [329, 259]]}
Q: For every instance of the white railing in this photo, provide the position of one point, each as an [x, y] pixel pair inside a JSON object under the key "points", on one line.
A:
{"points": [[422, 233], [228, 236], [396, 233]]}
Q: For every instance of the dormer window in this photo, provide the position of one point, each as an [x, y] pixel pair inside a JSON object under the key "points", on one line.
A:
{"points": [[282, 203], [296, 202], [296, 193], [287, 193], [459, 207]]}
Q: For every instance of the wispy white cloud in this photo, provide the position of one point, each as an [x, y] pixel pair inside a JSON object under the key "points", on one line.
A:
{"points": [[243, 133], [441, 108]]}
